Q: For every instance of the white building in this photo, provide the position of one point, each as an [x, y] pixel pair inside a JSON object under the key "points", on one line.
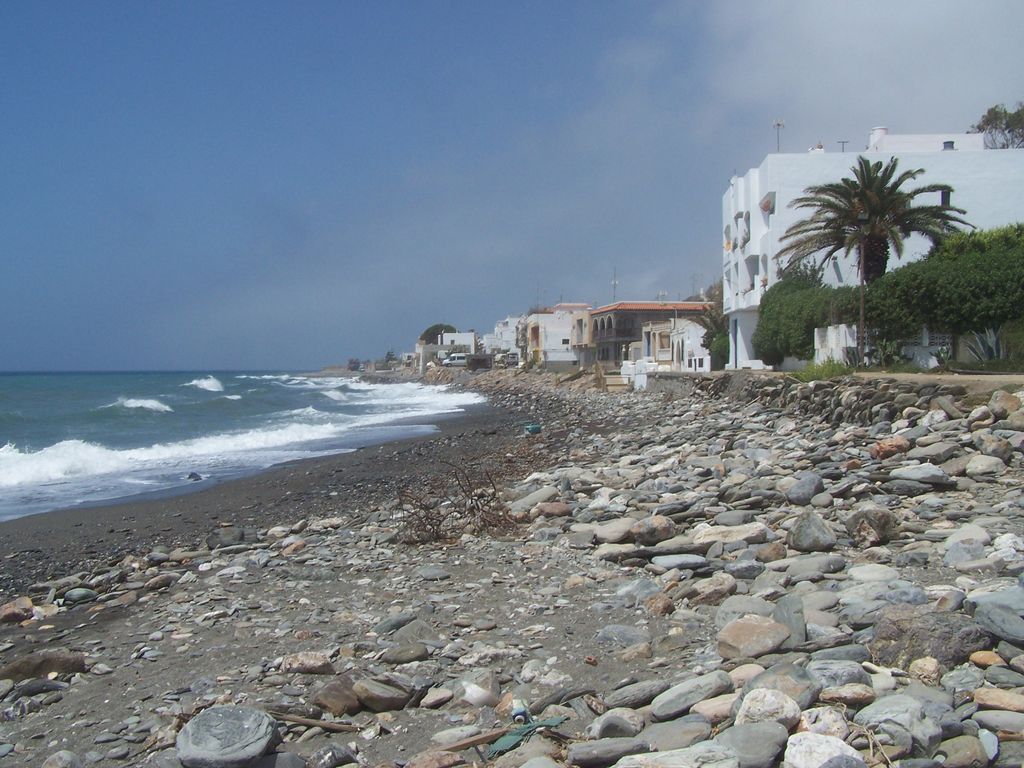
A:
{"points": [[549, 337], [676, 344], [756, 213], [504, 337], [462, 341]]}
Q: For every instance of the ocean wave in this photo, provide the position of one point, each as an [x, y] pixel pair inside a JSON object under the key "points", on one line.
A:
{"points": [[209, 383], [232, 397], [147, 404]]}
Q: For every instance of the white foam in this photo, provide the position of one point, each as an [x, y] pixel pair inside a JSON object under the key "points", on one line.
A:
{"points": [[232, 397], [139, 402], [209, 383]]}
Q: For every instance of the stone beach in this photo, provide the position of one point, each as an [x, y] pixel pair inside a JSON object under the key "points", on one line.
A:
{"points": [[732, 572]]}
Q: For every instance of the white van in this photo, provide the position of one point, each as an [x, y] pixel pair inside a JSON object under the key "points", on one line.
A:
{"points": [[455, 359]]}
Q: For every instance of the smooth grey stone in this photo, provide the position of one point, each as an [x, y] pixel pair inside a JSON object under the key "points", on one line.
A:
{"points": [[906, 488], [677, 734], [1001, 621], [393, 623], [1012, 598], [810, 533], [225, 737], [906, 713], [682, 562], [636, 695], [616, 723], [633, 593], [744, 569], [755, 744], [965, 677], [843, 652], [789, 610], [80, 595], [735, 606], [678, 699], [597, 754], [622, 635], [922, 473], [845, 761], [999, 720], [1004, 677], [1011, 755], [833, 673], [962, 552], [807, 486], [432, 573], [796, 682]]}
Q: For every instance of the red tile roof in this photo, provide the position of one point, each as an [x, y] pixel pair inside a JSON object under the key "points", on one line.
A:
{"points": [[648, 306]]}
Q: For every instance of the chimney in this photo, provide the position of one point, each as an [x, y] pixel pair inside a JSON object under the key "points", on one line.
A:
{"points": [[877, 134], [947, 146]]}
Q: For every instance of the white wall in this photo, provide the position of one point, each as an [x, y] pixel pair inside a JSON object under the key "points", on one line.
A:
{"points": [[987, 183]]}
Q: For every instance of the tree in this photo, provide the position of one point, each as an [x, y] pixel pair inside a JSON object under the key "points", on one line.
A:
{"points": [[871, 213], [1003, 129], [713, 319], [429, 336]]}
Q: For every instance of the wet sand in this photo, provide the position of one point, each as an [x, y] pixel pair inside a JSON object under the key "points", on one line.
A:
{"points": [[54, 544]]}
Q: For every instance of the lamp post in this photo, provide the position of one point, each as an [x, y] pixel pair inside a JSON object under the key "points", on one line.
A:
{"points": [[862, 220]]}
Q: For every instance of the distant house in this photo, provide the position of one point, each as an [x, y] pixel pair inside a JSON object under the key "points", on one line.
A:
{"points": [[581, 339], [756, 212], [675, 345], [459, 341], [549, 336], [614, 327], [504, 337]]}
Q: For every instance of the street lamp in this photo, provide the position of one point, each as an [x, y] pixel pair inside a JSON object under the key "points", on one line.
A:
{"points": [[862, 220]]}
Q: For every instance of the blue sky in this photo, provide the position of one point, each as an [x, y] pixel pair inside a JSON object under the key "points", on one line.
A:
{"points": [[285, 185]]}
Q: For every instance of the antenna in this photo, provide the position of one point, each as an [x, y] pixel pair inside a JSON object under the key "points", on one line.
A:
{"points": [[842, 143], [778, 125], [615, 283]]}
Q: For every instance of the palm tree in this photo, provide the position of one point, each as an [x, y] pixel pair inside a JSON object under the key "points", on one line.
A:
{"points": [[871, 213]]}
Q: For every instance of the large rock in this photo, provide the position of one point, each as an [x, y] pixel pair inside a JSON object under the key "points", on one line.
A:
{"points": [[871, 526], [907, 632], [636, 695], [337, 697], [225, 737], [922, 473], [810, 533], [766, 705], [796, 682], [750, 636], [907, 714], [382, 694], [812, 750], [678, 699], [807, 486], [757, 745], [1001, 621]]}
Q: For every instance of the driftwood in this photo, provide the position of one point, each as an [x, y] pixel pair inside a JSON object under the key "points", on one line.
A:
{"points": [[327, 725]]}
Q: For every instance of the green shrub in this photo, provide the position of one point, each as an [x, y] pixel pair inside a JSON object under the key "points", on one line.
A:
{"points": [[790, 311], [830, 369], [719, 351]]}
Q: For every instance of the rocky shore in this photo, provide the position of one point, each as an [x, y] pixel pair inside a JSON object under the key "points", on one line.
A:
{"points": [[731, 574]]}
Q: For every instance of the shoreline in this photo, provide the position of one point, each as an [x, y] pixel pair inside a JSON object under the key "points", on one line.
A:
{"points": [[53, 544]]}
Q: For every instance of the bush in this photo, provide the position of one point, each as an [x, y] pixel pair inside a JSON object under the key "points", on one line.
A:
{"points": [[830, 369], [969, 282], [719, 351], [790, 311]]}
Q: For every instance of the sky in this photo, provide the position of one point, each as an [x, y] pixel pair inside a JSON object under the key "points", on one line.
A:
{"points": [[285, 185]]}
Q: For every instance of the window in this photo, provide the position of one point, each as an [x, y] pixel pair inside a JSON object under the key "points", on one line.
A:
{"points": [[565, 341], [945, 196]]}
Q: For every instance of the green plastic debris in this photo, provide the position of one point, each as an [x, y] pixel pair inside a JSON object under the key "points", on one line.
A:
{"points": [[517, 736]]}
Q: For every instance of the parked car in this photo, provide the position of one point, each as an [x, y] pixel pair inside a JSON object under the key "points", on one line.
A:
{"points": [[456, 359]]}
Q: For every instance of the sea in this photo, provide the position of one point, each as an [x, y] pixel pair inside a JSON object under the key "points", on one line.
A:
{"points": [[71, 439]]}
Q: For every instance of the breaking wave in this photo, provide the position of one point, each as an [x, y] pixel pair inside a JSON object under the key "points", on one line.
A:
{"points": [[147, 404], [209, 383]]}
